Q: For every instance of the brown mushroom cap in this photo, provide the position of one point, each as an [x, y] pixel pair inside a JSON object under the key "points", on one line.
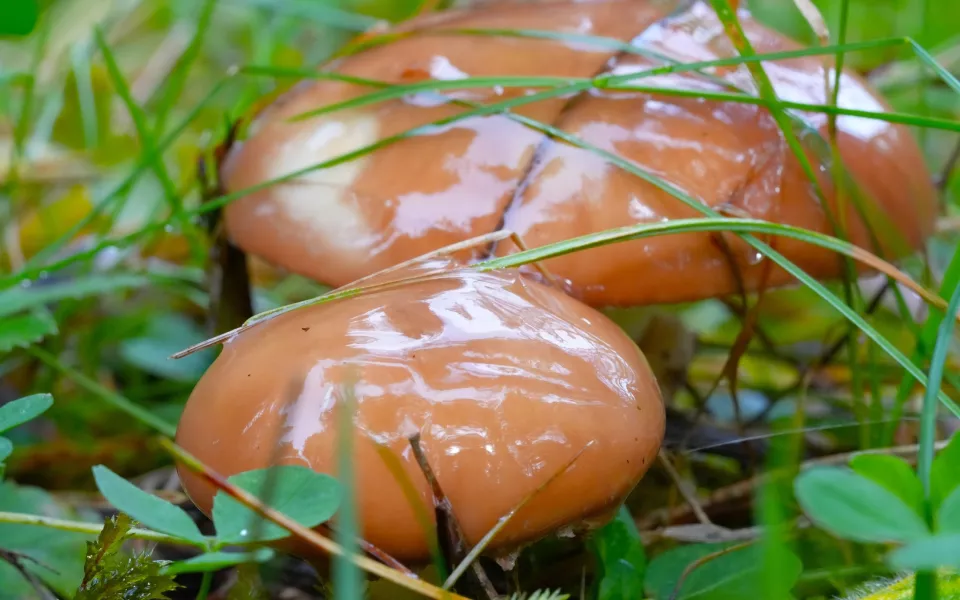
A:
{"points": [[506, 380], [477, 175]]}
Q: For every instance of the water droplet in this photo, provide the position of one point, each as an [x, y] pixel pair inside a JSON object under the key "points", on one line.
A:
{"points": [[244, 533]]}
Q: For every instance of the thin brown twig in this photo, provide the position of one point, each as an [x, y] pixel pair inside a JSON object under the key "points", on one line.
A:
{"points": [[743, 489], [688, 495]]}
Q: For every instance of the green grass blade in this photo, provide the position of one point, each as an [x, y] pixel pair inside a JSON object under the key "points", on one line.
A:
{"points": [[140, 123], [112, 398], [178, 77]]}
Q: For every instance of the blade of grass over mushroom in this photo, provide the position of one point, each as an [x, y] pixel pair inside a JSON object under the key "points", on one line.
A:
{"points": [[676, 226], [346, 576], [112, 398], [496, 529], [392, 92], [308, 535], [760, 246], [585, 242]]}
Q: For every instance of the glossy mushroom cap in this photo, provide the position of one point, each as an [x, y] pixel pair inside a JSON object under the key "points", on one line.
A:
{"points": [[471, 177], [505, 379]]}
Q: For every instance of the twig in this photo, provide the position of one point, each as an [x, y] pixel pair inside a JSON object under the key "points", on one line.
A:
{"points": [[744, 488], [453, 542], [688, 495]]}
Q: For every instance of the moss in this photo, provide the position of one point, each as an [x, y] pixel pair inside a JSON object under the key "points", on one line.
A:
{"points": [[901, 588]]}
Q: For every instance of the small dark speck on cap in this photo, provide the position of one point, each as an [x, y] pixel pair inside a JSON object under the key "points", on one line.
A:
{"points": [[305, 328]]}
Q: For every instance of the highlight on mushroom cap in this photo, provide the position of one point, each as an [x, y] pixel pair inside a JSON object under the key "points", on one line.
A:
{"points": [[469, 177], [505, 379]]}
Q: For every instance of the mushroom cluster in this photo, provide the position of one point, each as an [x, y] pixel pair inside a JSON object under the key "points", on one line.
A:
{"points": [[507, 379], [484, 173]]}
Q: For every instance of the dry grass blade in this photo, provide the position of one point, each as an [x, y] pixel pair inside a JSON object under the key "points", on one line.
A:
{"points": [[303, 533], [355, 288]]}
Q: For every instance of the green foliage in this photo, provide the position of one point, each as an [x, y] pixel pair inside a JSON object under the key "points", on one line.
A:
{"points": [[18, 17], [927, 554], [6, 448], [249, 585], [55, 558], [732, 575], [621, 556], [16, 299], [214, 561], [23, 330], [108, 573], [18, 412], [945, 473], [308, 497], [948, 516], [856, 508], [893, 473], [150, 510], [948, 588]]}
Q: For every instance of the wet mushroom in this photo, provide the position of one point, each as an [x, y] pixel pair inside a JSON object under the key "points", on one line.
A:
{"points": [[477, 175], [505, 379]]}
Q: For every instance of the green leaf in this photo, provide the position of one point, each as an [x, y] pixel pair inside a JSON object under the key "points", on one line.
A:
{"points": [[16, 299], [6, 448], [308, 497], [622, 558], [107, 573], [856, 508], [948, 517], [61, 551], [928, 554], [214, 561], [165, 335], [893, 473], [731, 576], [23, 330], [945, 473], [249, 585], [18, 17], [18, 412], [150, 510]]}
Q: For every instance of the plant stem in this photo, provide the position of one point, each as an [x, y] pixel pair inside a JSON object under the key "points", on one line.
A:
{"points": [[205, 584], [91, 528]]}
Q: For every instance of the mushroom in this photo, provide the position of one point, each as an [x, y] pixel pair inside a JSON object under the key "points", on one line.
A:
{"points": [[486, 173], [506, 379]]}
